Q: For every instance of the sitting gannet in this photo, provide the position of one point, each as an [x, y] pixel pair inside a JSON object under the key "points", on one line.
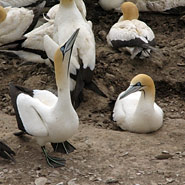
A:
{"points": [[162, 6], [131, 33], [6, 152], [25, 3], [135, 109], [15, 22], [41, 114], [67, 19]]}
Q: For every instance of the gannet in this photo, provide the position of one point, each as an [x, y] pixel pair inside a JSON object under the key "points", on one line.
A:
{"points": [[135, 109], [110, 4], [25, 3], [49, 118], [6, 152], [162, 6], [131, 33], [15, 22], [31, 47], [67, 19]]}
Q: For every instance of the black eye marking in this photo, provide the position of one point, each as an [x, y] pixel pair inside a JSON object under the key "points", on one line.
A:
{"points": [[138, 84], [62, 49]]}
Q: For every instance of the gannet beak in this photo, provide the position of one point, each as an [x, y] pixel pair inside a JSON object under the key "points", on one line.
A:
{"points": [[131, 89], [68, 46]]}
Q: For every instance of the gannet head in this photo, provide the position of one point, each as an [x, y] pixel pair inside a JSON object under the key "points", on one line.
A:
{"points": [[3, 14], [62, 58], [130, 11], [66, 2], [141, 82]]}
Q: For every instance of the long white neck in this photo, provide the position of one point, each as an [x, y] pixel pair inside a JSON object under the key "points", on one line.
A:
{"points": [[147, 99], [62, 81]]}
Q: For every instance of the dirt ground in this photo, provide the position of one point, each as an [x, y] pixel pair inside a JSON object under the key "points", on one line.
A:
{"points": [[106, 155]]}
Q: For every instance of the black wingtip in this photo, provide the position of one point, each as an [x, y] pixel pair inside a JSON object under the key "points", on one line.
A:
{"points": [[92, 86], [6, 152]]}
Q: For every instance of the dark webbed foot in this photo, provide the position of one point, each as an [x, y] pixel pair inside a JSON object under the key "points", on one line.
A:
{"points": [[64, 147], [53, 161]]}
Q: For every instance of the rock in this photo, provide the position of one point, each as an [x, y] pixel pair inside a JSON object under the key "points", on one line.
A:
{"points": [[111, 180], [40, 181], [60, 183], [72, 182]]}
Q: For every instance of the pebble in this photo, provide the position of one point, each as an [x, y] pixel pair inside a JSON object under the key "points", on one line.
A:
{"points": [[111, 180], [72, 182], [40, 181], [60, 183]]}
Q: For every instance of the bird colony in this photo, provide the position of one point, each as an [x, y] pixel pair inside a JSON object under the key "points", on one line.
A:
{"points": [[64, 40]]}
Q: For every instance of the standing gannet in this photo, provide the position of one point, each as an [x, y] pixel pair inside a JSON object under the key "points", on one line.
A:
{"points": [[67, 19], [6, 152], [41, 114], [15, 22], [131, 33], [135, 109]]}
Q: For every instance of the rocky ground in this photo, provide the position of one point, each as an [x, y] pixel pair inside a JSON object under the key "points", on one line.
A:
{"points": [[105, 154]]}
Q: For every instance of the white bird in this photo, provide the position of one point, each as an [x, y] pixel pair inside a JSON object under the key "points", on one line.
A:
{"points": [[110, 4], [31, 47], [137, 111], [67, 19], [129, 32], [15, 22], [43, 115], [25, 3], [6, 152], [163, 6]]}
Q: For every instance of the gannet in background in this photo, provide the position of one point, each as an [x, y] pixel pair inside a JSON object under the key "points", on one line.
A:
{"points": [[25, 3], [67, 19], [15, 22], [163, 6], [135, 109], [6, 152], [110, 4], [31, 47], [131, 33], [49, 118]]}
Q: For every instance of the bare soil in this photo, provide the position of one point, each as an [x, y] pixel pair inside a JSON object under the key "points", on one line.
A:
{"points": [[105, 154]]}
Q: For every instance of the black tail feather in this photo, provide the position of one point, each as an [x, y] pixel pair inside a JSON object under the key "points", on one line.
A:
{"points": [[92, 86], [64, 147]]}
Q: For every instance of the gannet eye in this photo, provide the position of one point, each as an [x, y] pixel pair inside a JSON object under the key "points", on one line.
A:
{"points": [[62, 49], [138, 84]]}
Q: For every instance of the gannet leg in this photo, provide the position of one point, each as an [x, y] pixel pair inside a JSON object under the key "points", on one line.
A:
{"points": [[53, 161], [64, 147]]}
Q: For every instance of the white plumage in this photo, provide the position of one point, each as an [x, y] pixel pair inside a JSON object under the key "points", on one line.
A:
{"points": [[16, 3], [131, 33], [67, 19], [110, 4], [45, 116], [17, 22], [137, 112]]}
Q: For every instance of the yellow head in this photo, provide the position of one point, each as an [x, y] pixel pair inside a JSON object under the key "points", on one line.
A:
{"points": [[62, 61], [130, 11], [3, 14], [66, 2], [141, 82]]}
